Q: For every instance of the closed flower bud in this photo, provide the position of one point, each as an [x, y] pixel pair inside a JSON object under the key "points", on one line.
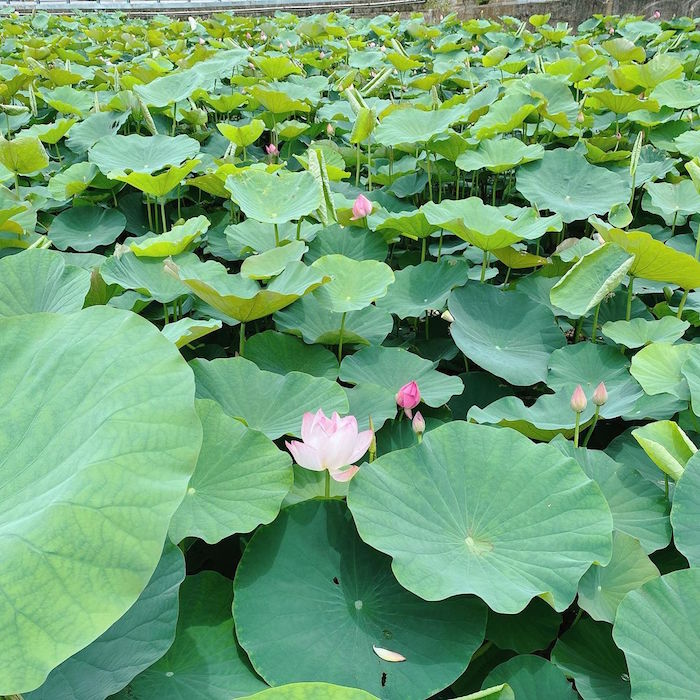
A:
{"points": [[578, 400], [408, 397], [418, 425], [271, 150], [361, 208], [600, 395]]}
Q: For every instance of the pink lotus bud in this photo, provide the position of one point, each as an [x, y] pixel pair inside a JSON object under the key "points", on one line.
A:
{"points": [[656, 15], [382, 49], [263, 36], [201, 41], [371, 44], [418, 424], [251, 65], [580, 118], [248, 36], [600, 395], [271, 150], [578, 400], [330, 129], [330, 443], [611, 31], [408, 397], [321, 55], [361, 208], [475, 49], [618, 135]]}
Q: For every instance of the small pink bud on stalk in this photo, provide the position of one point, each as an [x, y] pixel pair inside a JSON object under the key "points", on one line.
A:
{"points": [[408, 397], [361, 208], [657, 15], [271, 150], [578, 405], [201, 41], [600, 395], [418, 425], [600, 398], [330, 129], [388, 655]]}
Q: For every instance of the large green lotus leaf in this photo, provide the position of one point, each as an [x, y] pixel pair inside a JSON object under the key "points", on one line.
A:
{"points": [[88, 132], [620, 102], [239, 482], [272, 262], [90, 484], [655, 261], [656, 627], [667, 445], [673, 202], [282, 353], [532, 678], [392, 368], [412, 126], [68, 100], [505, 333], [412, 224], [39, 280], [180, 84], [505, 115], [586, 652], [638, 332], [205, 661], [315, 324], [638, 507], [24, 155], [72, 181], [564, 182], [242, 135], [278, 101], [591, 279], [252, 237], [662, 67], [52, 132], [116, 153], [187, 330], [312, 691], [172, 242], [271, 403], [499, 155], [688, 144], [658, 368], [489, 228], [677, 94], [685, 512], [371, 401], [144, 275], [691, 372], [530, 630], [275, 198], [353, 243], [354, 284], [425, 286], [124, 650], [588, 365], [356, 604], [602, 588], [241, 297], [475, 509], [86, 228], [157, 185]]}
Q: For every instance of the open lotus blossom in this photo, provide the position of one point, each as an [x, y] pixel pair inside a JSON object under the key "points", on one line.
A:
{"points": [[272, 150], [361, 208], [578, 400], [330, 443], [408, 397], [600, 395]]}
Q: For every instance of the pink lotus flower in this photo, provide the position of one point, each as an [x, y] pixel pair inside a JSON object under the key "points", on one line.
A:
{"points": [[408, 397], [271, 150], [201, 41], [578, 400], [657, 15], [330, 443], [361, 208], [600, 395], [330, 129]]}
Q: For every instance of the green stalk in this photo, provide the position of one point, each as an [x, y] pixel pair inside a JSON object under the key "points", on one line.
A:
{"points": [[369, 163], [277, 236], [595, 323], [484, 265], [593, 425], [576, 428], [430, 177], [577, 332], [422, 250], [241, 339], [166, 317], [679, 314], [162, 216], [630, 287], [340, 339], [328, 483], [357, 167]]}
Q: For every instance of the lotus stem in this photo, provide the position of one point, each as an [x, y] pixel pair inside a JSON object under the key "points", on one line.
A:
{"points": [[630, 287], [148, 211], [277, 235], [328, 483], [679, 314], [673, 225], [593, 425], [577, 428], [166, 317], [422, 249], [17, 182], [369, 163], [595, 324], [340, 338], [484, 265], [162, 214], [430, 177], [577, 332], [357, 166], [241, 339]]}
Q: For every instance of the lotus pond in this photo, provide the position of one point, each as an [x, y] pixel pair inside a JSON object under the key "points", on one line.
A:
{"points": [[349, 358]]}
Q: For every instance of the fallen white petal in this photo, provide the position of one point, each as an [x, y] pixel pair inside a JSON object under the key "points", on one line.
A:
{"points": [[387, 655]]}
